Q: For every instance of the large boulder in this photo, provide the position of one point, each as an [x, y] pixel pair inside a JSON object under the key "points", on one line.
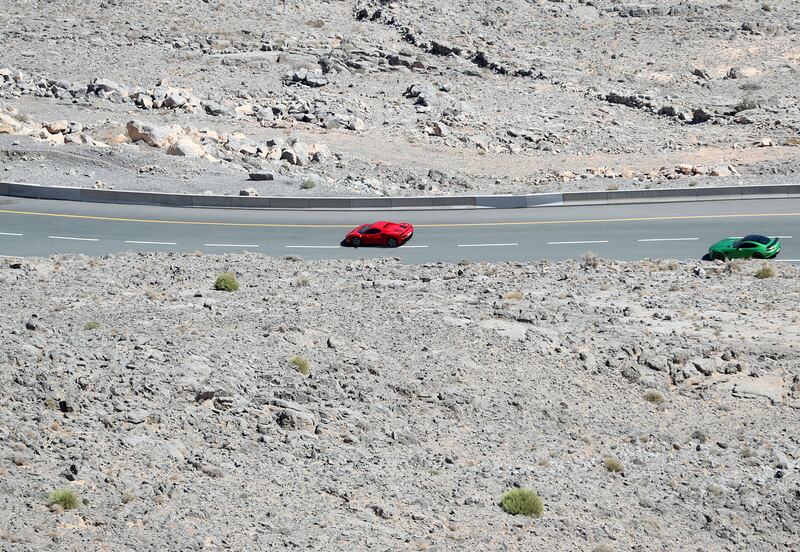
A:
{"points": [[174, 100], [186, 147], [9, 125], [58, 127], [152, 135]]}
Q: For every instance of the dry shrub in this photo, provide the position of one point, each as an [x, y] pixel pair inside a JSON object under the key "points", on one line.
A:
{"points": [[654, 397], [513, 296], [300, 364], [590, 260], [766, 271], [613, 465]]}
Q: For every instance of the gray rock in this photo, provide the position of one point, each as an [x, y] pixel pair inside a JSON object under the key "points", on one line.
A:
{"points": [[174, 100], [186, 147], [152, 135], [292, 416], [104, 85], [705, 366], [262, 175], [438, 128], [214, 108]]}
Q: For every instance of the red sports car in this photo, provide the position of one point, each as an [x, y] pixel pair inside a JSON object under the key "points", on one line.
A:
{"points": [[390, 234]]}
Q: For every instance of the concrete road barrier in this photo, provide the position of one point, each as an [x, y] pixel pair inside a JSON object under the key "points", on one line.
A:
{"points": [[90, 195]]}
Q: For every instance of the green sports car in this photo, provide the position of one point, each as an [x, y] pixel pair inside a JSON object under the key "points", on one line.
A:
{"points": [[752, 246]]}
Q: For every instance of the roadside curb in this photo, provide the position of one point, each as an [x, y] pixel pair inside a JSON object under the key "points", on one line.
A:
{"points": [[665, 195]]}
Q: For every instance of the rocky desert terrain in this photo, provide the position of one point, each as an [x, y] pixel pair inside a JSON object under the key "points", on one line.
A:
{"points": [[369, 405], [404, 97]]}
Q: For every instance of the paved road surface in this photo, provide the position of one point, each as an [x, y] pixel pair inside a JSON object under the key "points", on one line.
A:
{"points": [[626, 232]]}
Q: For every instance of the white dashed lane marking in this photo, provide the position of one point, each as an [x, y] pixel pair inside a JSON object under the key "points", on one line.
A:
{"points": [[487, 244], [9, 234], [228, 245], [72, 238], [576, 242], [667, 239], [313, 246], [150, 242]]}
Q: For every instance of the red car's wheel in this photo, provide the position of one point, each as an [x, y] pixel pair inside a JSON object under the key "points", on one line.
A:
{"points": [[356, 242], [391, 242]]}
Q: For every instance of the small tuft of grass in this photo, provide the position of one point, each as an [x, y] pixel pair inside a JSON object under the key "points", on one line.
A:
{"points": [[300, 364], [523, 502], [654, 397], [226, 282], [513, 296], [65, 498], [765, 271], [307, 184], [613, 465], [91, 325]]}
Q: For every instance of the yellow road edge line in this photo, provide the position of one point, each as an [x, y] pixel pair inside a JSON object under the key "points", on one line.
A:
{"points": [[433, 225]]}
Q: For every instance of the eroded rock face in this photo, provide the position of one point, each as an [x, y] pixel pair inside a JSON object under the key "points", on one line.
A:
{"points": [[130, 380]]}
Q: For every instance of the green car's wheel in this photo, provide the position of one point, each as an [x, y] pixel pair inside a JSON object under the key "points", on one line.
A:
{"points": [[758, 255], [718, 257]]}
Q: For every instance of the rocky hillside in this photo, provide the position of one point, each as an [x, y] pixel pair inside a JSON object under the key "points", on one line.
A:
{"points": [[369, 405], [403, 97]]}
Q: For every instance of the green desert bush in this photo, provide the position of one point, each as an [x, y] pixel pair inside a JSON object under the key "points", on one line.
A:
{"points": [[65, 498], [91, 325], [300, 364], [765, 271], [226, 282], [613, 465], [522, 501], [307, 184]]}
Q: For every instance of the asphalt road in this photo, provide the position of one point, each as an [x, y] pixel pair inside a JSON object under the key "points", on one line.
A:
{"points": [[626, 232]]}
